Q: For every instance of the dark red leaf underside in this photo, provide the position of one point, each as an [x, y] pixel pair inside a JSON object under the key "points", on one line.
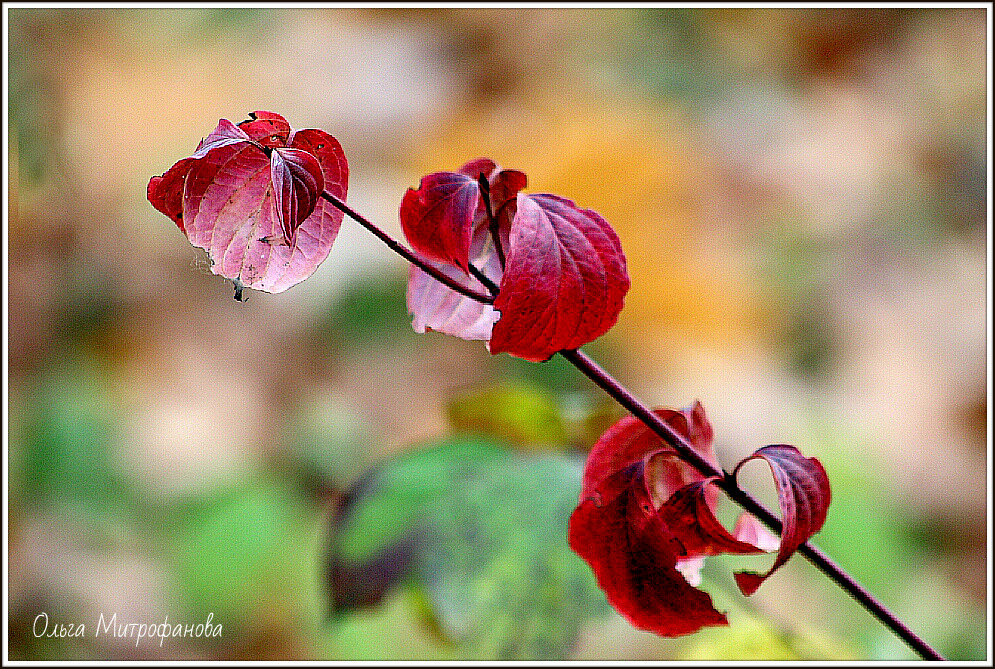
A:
{"points": [[629, 441], [803, 494], [564, 282], [688, 514], [633, 556]]}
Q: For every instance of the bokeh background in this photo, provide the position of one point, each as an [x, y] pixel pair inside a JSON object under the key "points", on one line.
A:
{"points": [[801, 195]]}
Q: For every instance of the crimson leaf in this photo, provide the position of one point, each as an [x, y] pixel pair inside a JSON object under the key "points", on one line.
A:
{"points": [[440, 217], [688, 513], [629, 442], [803, 494], [634, 559], [564, 282], [166, 192], [645, 522], [267, 128]]}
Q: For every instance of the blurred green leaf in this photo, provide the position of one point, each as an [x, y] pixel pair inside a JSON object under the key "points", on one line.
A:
{"points": [[522, 414], [387, 502], [393, 631], [368, 309], [483, 530], [556, 373], [746, 638], [329, 444], [497, 567]]}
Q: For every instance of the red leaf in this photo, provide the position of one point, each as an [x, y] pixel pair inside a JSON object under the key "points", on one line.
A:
{"points": [[629, 442], [434, 306], [437, 219], [634, 559], [441, 217], [224, 200], [689, 515], [803, 494], [503, 187], [297, 185], [166, 192], [564, 282]]}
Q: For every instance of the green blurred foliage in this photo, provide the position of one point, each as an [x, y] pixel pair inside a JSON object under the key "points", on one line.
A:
{"points": [[481, 529], [329, 445], [240, 553], [391, 500], [70, 437], [368, 309], [497, 567]]}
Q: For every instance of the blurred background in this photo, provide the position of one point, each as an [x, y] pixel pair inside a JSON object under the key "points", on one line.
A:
{"points": [[801, 195]]}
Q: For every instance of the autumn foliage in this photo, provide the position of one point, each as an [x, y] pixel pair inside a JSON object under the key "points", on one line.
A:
{"points": [[646, 520], [266, 201]]}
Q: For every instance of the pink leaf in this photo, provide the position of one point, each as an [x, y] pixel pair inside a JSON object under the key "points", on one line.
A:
{"points": [[749, 530], [223, 198], [803, 494], [436, 307], [297, 185], [166, 192], [564, 282]]}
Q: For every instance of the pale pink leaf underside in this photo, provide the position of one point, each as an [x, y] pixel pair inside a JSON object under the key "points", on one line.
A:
{"points": [[438, 308]]}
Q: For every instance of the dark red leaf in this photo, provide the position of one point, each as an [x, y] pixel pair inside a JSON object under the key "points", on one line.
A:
{"points": [[564, 282], [437, 219], [803, 495], [297, 185], [503, 186], [634, 558], [629, 442], [442, 217], [223, 198]]}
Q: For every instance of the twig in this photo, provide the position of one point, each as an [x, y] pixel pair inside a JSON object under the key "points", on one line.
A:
{"points": [[621, 395], [485, 191]]}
